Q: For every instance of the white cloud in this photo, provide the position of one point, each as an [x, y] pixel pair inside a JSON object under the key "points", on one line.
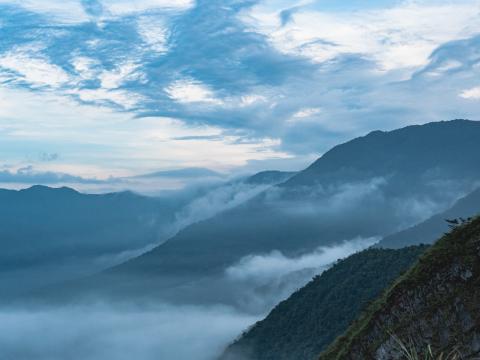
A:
{"points": [[471, 94], [263, 269], [220, 199], [307, 112], [191, 91], [251, 99], [63, 11], [154, 32], [32, 68], [98, 142], [112, 79], [85, 67], [399, 37], [122, 7], [101, 332], [72, 11], [122, 98]]}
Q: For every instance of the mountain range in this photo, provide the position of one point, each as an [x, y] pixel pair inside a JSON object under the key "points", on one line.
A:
{"points": [[52, 235], [383, 304], [382, 183]]}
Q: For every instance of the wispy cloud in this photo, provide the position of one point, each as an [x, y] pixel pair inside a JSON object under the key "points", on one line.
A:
{"points": [[291, 77]]}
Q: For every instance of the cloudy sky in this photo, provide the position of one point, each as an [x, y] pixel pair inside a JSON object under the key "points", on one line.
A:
{"points": [[95, 90]]}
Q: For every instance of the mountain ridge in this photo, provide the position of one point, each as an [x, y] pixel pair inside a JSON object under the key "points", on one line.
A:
{"points": [[301, 326], [295, 218], [433, 305]]}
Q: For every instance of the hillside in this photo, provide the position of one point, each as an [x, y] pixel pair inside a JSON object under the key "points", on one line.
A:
{"points": [[55, 234], [438, 148], [381, 183], [52, 234], [304, 324], [431, 229], [436, 303]]}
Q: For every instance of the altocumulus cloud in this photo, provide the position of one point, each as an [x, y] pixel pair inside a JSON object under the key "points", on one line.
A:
{"points": [[252, 69]]}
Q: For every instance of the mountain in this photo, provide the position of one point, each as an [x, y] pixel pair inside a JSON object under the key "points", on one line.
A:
{"points": [[300, 327], [430, 230], [434, 152], [369, 187], [184, 173], [270, 177], [56, 234], [52, 234], [436, 305]]}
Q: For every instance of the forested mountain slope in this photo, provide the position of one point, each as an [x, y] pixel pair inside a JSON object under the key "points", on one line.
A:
{"points": [[371, 186], [304, 324], [435, 304]]}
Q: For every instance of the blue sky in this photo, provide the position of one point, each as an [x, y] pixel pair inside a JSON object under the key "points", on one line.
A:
{"points": [[92, 91]]}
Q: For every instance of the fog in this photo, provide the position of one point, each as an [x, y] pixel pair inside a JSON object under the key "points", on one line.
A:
{"points": [[215, 201], [256, 282], [262, 281], [103, 331], [100, 332], [262, 269]]}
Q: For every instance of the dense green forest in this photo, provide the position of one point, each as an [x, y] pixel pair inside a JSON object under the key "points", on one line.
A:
{"points": [[304, 324], [435, 305]]}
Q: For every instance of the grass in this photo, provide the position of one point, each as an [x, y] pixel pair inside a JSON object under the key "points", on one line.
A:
{"points": [[409, 352], [460, 243]]}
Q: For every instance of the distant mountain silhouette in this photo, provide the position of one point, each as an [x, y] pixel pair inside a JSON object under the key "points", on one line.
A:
{"points": [[184, 173], [270, 177], [433, 152], [55, 234], [430, 230], [50, 234], [371, 186]]}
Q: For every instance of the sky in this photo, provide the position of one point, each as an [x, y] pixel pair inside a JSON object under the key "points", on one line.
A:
{"points": [[96, 91]]}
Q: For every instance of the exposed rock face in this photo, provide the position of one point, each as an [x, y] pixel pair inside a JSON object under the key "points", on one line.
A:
{"points": [[436, 303], [300, 327]]}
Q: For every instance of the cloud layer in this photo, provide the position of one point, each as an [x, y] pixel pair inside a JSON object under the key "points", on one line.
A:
{"points": [[100, 332], [221, 83]]}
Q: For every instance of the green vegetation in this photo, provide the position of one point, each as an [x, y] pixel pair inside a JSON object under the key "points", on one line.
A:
{"points": [[301, 326], [409, 352], [444, 281]]}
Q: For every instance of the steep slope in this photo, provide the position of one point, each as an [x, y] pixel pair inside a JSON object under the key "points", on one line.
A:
{"points": [[381, 183], [270, 177], [427, 151], [301, 326], [436, 304], [430, 230]]}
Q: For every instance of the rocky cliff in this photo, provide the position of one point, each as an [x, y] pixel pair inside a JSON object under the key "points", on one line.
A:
{"points": [[300, 327], [436, 305]]}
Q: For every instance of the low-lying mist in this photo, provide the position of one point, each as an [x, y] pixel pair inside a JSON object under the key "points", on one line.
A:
{"points": [[261, 281], [101, 332]]}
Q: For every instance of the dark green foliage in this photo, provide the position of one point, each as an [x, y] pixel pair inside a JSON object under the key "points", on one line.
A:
{"points": [[301, 326], [436, 303]]}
